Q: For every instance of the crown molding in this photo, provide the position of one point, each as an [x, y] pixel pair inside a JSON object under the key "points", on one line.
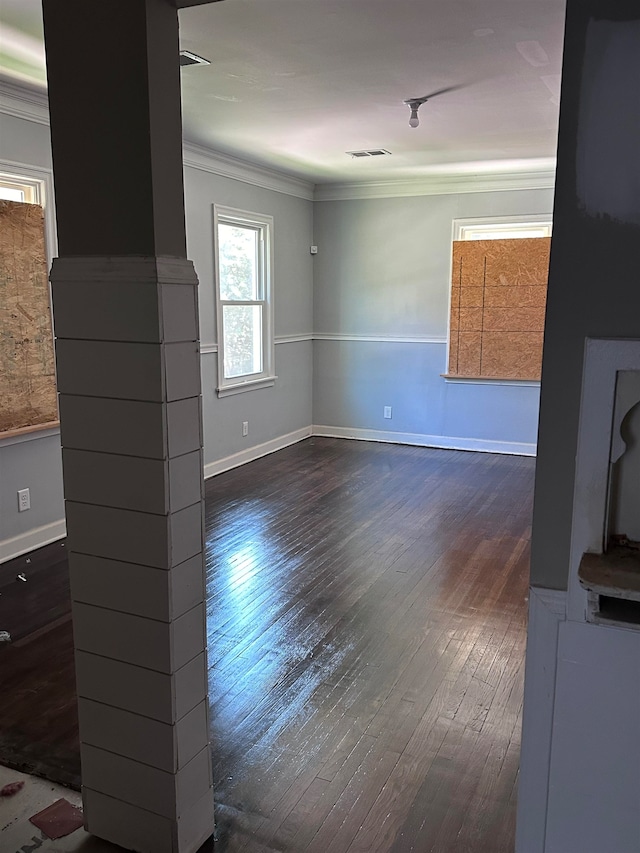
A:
{"points": [[31, 103], [437, 185], [22, 101], [207, 160]]}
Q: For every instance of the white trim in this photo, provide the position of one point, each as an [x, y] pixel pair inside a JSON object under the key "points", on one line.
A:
{"points": [[387, 339], [263, 227], [603, 358], [32, 539], [255, 452], [469, 380], [43, 181], [460, 225], [443, 442], [44, 178], [207, 160], [28, 436], [547, 609], [457, 228], [24, 102], [32, 104], [437, 185], [248, 385], [207, 349], [293, 339], [555, 600]]}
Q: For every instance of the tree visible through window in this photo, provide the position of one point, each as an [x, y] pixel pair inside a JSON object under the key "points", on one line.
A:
{"points": [[243, 295]]}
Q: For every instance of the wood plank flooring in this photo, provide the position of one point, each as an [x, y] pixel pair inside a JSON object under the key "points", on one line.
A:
{"points": [[366, 640], [366, 630], [38, 717]]}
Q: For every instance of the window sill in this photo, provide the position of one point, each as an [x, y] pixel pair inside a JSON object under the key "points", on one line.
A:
{"points": [[17, 436], [248, 385], [489, 380]]}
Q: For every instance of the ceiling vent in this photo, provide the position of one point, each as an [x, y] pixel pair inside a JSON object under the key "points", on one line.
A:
{"points": [[372, 152], [188, 58]]}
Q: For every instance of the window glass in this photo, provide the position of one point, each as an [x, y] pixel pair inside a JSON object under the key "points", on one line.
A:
{"points": [[238, 258], [244, 306], [11, 193], [242, 331]]}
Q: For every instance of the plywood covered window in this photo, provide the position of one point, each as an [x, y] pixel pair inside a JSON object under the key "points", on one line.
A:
{"points": [[28, 398], [498, 298]]}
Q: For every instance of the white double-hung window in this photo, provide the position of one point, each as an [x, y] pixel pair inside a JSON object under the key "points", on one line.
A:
{"points": [[243, 244]]}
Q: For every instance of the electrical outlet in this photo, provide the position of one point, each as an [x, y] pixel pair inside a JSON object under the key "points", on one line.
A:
{"points": [[245, 428], [24, 500], [387, 411]]}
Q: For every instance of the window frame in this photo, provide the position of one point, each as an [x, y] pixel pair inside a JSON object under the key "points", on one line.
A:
{"points": [[37, 185], [464, 229], [264, 225], [32, 188]]}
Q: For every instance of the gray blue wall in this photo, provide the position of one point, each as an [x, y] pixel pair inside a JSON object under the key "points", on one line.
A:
{"points": [[381, 295], [593, 273], [34, 460], [285, 408], [375, 300], [274, 414]]}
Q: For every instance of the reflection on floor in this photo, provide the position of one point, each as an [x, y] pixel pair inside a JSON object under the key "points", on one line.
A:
{"points": [[366, 613], [366, 637]]}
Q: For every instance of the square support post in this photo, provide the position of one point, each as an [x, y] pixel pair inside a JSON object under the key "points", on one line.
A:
{"points": [[128, 369]]}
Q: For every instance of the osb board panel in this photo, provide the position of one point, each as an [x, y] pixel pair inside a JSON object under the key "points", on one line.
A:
{"points": [[27, 387], [512, 354], [467, 320], [524, 296], [468, 262], [498, 297], [466, 358], [497, 319], [524, 263], [513, 319]]}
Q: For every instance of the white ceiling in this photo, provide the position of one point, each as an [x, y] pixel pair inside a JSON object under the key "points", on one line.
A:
{"points": [[294, 84]]}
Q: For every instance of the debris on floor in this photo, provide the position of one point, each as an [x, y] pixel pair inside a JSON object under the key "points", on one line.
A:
{"points": [[59, 819], [11, 789], [5, 637]]}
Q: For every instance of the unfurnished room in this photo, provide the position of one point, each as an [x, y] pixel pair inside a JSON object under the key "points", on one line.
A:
{"points": [[319, 426]]}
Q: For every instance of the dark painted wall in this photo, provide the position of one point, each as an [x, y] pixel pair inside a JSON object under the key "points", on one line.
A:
{"points": [[594, 286], [132, 161]]}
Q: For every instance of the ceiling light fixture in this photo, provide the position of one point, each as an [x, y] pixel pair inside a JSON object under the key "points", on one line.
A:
{"points": [[188, 58], [414, 105]]}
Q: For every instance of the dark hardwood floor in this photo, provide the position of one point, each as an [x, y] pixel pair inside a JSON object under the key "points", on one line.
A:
{"points": [[366, 624], [38, 718]]}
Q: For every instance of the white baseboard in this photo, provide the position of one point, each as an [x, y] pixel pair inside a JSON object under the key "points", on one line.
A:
{"points": [[39, 536], [32, 539], [547, 609], [255, 452], [443, 442]]}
